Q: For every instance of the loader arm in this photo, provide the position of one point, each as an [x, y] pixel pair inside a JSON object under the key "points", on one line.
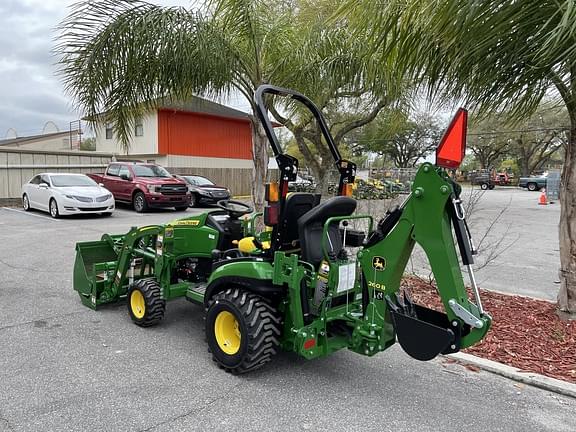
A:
{"points": [[427, 217]]}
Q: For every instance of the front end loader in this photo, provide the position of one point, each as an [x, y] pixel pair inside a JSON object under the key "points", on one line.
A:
{"points": [[309, 282]]}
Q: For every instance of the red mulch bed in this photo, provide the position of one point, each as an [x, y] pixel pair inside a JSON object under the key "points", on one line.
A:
{"points": [[525, 333]]}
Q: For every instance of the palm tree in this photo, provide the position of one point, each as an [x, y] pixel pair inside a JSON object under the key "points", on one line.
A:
{"points": [[125, 57], [498, 56]]}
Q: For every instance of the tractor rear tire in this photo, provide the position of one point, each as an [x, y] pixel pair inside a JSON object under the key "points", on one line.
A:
{"points": [[242, 330], [145, 303]]}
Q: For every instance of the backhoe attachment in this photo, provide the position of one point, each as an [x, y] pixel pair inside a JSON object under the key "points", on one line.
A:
{"points": [[433, 217]]}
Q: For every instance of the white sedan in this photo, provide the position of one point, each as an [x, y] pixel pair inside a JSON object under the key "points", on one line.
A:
{"points": [[65, 194]]}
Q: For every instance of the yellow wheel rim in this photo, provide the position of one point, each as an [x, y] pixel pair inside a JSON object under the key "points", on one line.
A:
{"points": [[137, 304], [227, 331]]}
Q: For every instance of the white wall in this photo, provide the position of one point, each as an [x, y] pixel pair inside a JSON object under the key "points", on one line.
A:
{"points": [[47, 143], [146, 144]]}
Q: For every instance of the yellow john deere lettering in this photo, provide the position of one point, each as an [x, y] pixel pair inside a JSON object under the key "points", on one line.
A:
{"points": [[376, 285], [188, 222]]}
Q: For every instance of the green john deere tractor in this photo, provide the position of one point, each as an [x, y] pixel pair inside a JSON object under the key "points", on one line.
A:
{"points": [[308, 282]]}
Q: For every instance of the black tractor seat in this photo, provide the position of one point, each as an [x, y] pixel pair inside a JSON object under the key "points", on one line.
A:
{"points": [[297, 204], [311, 224]]}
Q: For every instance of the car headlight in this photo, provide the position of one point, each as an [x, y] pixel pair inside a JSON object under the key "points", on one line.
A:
{"points": [[203, 192], [153, 189]]}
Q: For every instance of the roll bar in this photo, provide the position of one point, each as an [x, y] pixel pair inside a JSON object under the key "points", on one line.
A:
{"points": [[347, 169]]}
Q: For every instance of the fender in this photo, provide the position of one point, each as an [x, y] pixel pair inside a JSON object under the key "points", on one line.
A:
{"points": [[253, 275]]}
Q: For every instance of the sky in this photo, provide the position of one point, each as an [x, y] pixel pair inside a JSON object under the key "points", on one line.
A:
{"points": [[30, 92]]}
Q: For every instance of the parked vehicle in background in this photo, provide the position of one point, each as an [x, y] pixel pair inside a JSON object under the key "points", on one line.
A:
{"points": [[483, 178], [503, 179], [533, 183], [204, 191], [65, 194], [144, 186]]}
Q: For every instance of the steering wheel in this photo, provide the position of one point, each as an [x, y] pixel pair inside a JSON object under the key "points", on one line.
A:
{"points": [[235, 209]]}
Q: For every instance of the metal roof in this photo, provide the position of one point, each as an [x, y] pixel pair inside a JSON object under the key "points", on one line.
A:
{"points": [[24, 140]]}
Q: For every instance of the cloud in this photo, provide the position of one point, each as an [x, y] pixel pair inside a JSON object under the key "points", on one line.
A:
{"points": [[30, 92]]}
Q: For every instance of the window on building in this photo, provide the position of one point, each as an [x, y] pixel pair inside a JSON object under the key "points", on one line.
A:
{"points": [[139, 127], [108, 131]]}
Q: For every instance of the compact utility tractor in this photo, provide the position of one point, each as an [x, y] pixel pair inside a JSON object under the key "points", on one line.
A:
{"points": [[308, 282]]}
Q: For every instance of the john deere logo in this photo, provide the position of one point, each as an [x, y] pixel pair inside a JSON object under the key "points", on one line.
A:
{"points": [[378, 263]]}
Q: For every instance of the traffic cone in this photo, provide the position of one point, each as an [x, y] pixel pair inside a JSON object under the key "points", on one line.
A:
{"points": [[542, 200]]}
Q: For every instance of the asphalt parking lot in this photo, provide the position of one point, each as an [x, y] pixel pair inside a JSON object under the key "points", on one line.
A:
{"points": [[64, 367], [518, 238]]}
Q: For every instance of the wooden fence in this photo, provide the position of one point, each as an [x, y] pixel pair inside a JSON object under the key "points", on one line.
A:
{"points": [[17, 166]]}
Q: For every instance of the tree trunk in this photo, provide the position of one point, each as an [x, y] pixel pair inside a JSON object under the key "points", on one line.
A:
{"points": [[260, 158], [567, 294], [325, 176]]}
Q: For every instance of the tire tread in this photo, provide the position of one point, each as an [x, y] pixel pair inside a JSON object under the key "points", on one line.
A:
{"points": [[263, 325]]}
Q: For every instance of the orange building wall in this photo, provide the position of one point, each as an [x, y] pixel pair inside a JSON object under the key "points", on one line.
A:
{"points": [[195, 134]]}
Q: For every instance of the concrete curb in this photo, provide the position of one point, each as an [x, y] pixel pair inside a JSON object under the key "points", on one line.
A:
{"points": [[530, 378]]}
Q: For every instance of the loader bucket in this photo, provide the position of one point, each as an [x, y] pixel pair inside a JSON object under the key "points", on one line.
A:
{"points": [[423, 333], [93, 269]]}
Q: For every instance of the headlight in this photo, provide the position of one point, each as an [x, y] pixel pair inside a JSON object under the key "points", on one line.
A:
{"points": [[203, 192], [153, 188]]}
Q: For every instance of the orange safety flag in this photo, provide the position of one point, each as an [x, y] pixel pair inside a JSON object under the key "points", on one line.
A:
{"points": [[450, 152]]}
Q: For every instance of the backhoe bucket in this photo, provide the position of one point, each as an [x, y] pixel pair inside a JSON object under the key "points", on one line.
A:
{"points": [[93, 269], [423, 333]]}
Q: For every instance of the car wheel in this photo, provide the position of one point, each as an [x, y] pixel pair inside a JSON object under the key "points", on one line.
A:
{"points": [[54, 209], [484, 186], [491, 187], [25, 202], [139, 202], [193, 200], [180, 208], [532, 187]]}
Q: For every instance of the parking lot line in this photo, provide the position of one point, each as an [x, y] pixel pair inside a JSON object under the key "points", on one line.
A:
{"points": [[31, 214]]}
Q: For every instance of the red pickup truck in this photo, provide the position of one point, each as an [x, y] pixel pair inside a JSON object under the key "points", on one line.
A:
{"points": [[144, 186]]}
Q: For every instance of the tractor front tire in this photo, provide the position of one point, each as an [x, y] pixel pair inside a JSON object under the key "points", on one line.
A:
{"points": [[145, 303], [242, 330]]}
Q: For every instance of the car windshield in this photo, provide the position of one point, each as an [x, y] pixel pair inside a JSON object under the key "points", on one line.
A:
{"points": [[63, 180], [150, 171], [200, 181]]}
